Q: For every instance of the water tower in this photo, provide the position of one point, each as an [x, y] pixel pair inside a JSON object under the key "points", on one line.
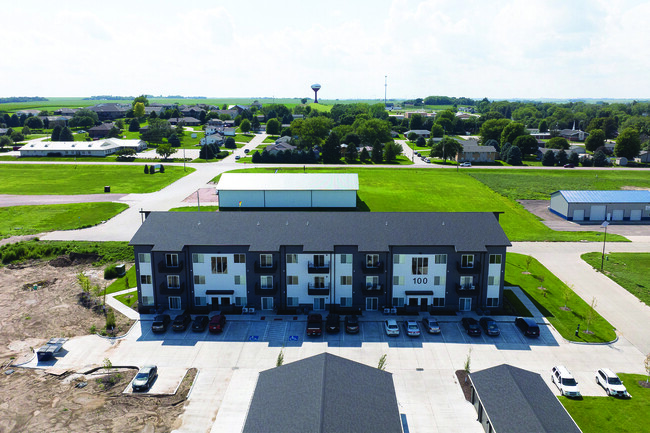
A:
{"points": [[315, 88]]}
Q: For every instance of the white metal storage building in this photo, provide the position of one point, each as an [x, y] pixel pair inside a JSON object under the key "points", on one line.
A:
{"points": [[599, 206], [287, 190]]}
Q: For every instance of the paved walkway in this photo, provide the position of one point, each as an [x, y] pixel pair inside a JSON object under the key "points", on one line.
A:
{"points": [[117, 305], [7, 200]]}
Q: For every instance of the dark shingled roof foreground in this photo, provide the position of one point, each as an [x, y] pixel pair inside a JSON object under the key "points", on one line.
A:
{"points": [[517, 400], [324, 394], [321, 231]]}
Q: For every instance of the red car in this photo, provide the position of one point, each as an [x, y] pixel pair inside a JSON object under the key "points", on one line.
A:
{"points": [[217, 323], [314, 324]]}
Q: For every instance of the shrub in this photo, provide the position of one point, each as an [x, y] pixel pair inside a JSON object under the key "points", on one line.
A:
{"points": [[146, 169], [110, 320], [110, 273], [222, 154], [162, 168], [549, 159]]}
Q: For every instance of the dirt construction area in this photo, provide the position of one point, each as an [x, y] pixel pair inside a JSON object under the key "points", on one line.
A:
{"points": [[38, 302]]}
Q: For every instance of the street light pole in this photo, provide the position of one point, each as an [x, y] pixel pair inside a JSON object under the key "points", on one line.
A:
{"points": [[602, 259]]}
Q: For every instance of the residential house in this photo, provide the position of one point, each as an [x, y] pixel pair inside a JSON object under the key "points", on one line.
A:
{"points": [[65, 111], [229, 131], [419, 132], [110, 111], [573, 134], [187, 121], [475, 153], [644, 157], [100, 131], [216, 138]]}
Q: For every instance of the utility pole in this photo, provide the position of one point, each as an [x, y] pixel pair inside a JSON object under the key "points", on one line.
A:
{"points": [[385, 88]]}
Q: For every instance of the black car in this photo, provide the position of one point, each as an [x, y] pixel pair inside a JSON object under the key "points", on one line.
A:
{"points": [[471, 326], [333, 323], [489, 326], [199, 323], [528, 326], [181, 321], [145, 377], [351, 324], [160, 323]]}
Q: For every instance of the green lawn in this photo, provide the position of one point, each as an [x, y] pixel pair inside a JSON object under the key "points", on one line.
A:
{"points": [[526, 184], [414, 146], [629, 270], [270, 139], [609, 414], [243, 138], [128, 299], [513, 305], [122, 283], [32, 179], [26, 220], [194, 209], [551, 301]]}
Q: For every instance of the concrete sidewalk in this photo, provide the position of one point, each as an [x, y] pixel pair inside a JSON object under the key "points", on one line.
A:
{"points": [[117, 305]]}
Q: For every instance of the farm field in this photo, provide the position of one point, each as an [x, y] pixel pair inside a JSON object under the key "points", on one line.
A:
{"points": [[32, 179], [629, 270]]}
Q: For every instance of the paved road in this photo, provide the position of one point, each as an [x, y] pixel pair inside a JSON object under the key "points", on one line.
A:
{"points": [[7, 200]]}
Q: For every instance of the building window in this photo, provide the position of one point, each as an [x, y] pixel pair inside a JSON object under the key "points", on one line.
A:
{"points": [[372, 304], [398, 302], [438, 302], [319, 303], [199, 279], [240, 258], [398, 259], [219, 265], [346, 302], [467, 282], [174, 302], [293, 302], [145, 279], [319, 282], [173, 281], [239, 280], [346, 259], [398, 280], [420, 265], [492, 302], [266, 282], [266, 260], [495, 259], [439, 280], [492, 280], [440, 259], [197, 258], [144, 258], [467, 261], [171, 260], [199, 301], [240, 301], [319, 260], [292, 258], [346, 280], [372, 282], [372, 260], [292, 280], [267, 303], [147, 300]]}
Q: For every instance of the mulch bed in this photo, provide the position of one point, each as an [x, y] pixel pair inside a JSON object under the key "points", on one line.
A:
{"points": [[463, 381]]}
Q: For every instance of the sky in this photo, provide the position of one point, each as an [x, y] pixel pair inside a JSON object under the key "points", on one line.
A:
{"points": [[499, 49]]}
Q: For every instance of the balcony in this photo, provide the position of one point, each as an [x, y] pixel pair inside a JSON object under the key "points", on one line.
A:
{"points": [[474, 269], [164, 290], [266, 290], [318, 269], [321, 290], [377, 268], [372, 289], [467, 289], [164, 269], [265, 269]]}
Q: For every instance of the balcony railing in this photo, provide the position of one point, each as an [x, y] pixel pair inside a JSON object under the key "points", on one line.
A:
{"points": [[466, 288], [320, 290], [474, 269], [166, 290], [318, 269], [372, 289], [266, 290], [376, 268], [265, 269], [164, 269]]}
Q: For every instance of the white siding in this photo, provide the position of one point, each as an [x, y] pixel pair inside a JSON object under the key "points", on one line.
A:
{"points": [[145, 269], [219, 281], [301, 270], [334, 198], [247, 198], [597, 213], [340, 270], [494, 270], [288, 198], [560, 205], [417, 282]]}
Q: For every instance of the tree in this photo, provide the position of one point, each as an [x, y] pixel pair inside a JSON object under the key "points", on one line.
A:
{"points": [[543, 126], [164, 150], [5, 141], [574, 159], [26, 130], [174, 140], [146, 169], [66, 134], [352, 138], [557, 143], [549, 159], [207, 152], [391, 151], [84, 118], [312, 131], [492, 142], [303, 101], [273, 127], [437, 130], [595, 140], [157, 130], [514, 156], [628, 144], [257, 158], [114, 132], [142, 99], [492, 129], [646, 364], [230, 143], [138, 110], [591, 314], [245, 126], [417, 122], [376, 154], [420, 141], [503, 154], [447, 148], [56, 132], [511, 131], [527, 144], [351, 153], [562, 158], [381, 365], [255, 123], [364, 156], [372, 130], [600, 159], [411, 136], [331, 149], [134, 125], [34, 122]]}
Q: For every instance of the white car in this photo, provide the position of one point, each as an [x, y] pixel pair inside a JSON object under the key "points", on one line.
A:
{"points": [[565, 382], [466, 164], [391, 327], [412, 328], [611, 383]]}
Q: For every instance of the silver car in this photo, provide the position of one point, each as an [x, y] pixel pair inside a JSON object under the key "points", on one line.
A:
{"points": [[431, 325]]}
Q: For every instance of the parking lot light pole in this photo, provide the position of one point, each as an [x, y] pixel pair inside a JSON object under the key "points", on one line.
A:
{"points": [[602, 259]]}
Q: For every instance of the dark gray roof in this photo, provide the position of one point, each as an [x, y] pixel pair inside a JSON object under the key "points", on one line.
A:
{"points": [[518, 400], [324, 393], [321, 231]]}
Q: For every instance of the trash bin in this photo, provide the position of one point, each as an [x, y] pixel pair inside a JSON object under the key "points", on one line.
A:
{"points": [[107, 188]]}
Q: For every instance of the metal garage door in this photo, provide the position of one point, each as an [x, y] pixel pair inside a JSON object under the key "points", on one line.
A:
{"points": [[635, 215], [617, 215], [578, 215], [597, 213]]}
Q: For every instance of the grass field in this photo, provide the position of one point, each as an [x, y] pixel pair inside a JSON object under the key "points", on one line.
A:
{"points": [[128, 299], [551, 300], [84, 179], [123, 283], [26, 220], [243, 138], [629, 270], [609, 414], [443, 190], [527, 184], [194, 209]]}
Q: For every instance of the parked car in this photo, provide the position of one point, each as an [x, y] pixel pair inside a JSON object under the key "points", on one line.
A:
{"points": [[237, 157], [412, 328], [145, 378], [569, 165], [181, 321], [199, 323], [246, 151], [431, 325], [217, 323], [466, 164], [528, 326], [471, 326], [333, 323], [314, 324], [391, 328], [565, 382], [160, 323], [351, 324], [489, 326], [610, 382]]}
